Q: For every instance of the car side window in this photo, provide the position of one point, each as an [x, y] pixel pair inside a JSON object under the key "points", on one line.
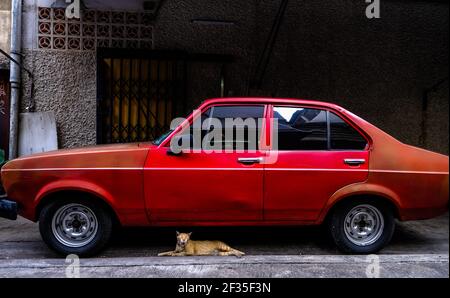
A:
{"points": [[240, 126], [229, 127], [343, 136], [301, 128]]}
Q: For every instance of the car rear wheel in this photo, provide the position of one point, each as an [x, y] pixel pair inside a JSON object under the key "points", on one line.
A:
{"points": [[71, 226], [362, 227]]}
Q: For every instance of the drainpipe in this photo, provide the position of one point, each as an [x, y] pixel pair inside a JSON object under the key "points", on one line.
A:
{"points": [[14, 78]]}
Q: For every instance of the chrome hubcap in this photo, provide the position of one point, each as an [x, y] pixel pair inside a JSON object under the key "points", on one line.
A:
{"points": [[364, 225], [74, 225]]}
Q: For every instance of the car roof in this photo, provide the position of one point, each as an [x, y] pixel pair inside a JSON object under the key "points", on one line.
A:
{"points": [[267, 100]]}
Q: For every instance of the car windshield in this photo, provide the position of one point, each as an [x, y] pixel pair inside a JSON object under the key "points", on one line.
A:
{"points": [[162, 137]]}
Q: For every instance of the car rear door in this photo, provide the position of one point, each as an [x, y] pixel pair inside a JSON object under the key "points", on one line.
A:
{"points": [[318, 153]]}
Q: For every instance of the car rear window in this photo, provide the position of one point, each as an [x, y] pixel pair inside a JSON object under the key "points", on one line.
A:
{"points": [[343, 136]]}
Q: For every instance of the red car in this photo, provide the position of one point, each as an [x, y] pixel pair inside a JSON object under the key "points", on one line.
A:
{"points": [[329, 166]]}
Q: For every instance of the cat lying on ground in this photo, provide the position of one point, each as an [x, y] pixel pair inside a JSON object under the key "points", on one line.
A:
{"points": [[187, 247]]}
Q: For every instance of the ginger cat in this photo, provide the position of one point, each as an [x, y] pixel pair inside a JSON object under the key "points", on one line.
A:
{"points": [[187, 247]]}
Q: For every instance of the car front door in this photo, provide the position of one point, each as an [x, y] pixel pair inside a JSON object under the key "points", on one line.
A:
{"points": [[318, 152], [208, 186]]}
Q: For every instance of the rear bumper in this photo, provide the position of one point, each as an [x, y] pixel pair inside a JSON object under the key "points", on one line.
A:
{"points": [[8, 209]]}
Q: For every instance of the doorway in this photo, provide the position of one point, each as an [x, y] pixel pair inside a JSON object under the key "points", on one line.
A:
{"points": [[139, 92]]}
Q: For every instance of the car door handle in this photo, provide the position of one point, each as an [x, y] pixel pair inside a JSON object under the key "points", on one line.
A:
{"points": [[354, 162], [249, 160]]}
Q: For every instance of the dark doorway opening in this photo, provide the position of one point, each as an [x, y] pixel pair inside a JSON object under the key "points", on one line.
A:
{"points": [[139, 92]]}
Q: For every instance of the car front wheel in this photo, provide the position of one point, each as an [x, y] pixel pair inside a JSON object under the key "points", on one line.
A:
{"points": [[362, 227], [80, 227]]}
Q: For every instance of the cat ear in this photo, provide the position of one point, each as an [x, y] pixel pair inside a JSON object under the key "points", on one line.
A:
{"points": [[178, 233], [190, 234]]}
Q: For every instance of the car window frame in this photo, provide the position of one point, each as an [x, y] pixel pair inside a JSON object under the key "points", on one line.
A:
{"points": [[180, 129], [361, 132]]}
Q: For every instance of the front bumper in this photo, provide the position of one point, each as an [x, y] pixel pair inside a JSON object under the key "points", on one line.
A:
{"points": [[8, 209]]}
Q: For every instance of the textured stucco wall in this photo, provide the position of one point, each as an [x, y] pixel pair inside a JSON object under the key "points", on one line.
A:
{"points": [[325, 50], [376, 68], [65, 82], [436, 134], [329, 50], [174, 29], [5, 28]]}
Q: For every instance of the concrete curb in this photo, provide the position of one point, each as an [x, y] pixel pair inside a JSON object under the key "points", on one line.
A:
{"points": [[213, 260], [421, 265]]}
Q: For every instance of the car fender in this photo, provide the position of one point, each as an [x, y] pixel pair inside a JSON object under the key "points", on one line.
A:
{"points": [[75, 185], [359, 189]]}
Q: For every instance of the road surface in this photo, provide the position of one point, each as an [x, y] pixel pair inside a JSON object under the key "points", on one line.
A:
{"points": [[418, 249]]}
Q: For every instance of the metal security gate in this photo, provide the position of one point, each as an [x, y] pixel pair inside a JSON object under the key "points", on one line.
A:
{"points": [[139, 93]]}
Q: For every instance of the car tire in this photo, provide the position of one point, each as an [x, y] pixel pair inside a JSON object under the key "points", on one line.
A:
{"points": [[362, 227], [75, 226]]}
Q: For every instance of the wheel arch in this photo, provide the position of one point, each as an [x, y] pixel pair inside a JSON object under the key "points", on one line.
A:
{"points": [[52, 194], [362, 192]]}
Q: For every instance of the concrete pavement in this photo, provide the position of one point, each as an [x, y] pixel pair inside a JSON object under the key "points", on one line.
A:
{"points": [[418, 249], [262, 266]]}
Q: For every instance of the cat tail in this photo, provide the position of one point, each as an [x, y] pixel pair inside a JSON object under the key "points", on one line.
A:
{"points": [[167, 253]]}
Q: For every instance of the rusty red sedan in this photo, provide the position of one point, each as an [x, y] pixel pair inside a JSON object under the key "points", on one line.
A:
{"points": [[310, 163]]}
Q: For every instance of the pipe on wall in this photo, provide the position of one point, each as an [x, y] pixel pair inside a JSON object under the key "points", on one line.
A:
{"points": [[15, 78]]}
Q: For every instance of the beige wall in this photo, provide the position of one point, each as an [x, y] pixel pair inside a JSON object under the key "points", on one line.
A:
{"points": [[5, 25]]}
